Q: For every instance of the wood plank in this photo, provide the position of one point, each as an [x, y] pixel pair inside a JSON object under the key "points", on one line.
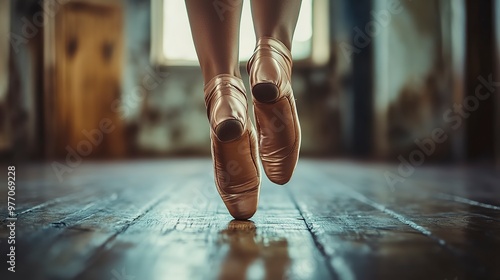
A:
{"points": [[334, 220], [184, 231], [466, 228], [180, 240], [86, 221]]}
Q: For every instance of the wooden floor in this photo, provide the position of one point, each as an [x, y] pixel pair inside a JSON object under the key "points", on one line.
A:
{"points": [[334, 220]]}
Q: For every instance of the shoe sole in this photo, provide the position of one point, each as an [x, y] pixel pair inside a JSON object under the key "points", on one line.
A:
{"points": [[265, 92], [229, 130]]}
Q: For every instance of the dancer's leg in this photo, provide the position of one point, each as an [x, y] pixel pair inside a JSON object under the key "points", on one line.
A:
{"points": [[215, 28], [276, 19]]}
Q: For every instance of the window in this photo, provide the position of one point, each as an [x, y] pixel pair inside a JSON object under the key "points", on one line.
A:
{"points": [[170, 24]]}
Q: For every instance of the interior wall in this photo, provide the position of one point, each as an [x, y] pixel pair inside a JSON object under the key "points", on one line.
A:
{"points": [[413, 77], [497, 55], [4, 73], [25, 89], [163, 107]]}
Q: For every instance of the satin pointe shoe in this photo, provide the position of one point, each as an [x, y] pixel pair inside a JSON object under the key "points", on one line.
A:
{"points": [[234, 145], [278, 128]]}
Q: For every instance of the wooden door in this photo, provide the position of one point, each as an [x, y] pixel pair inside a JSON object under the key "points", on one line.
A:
{"points": [[84, 59]]}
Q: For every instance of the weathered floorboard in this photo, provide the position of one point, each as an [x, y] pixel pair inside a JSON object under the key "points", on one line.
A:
{"points": [[334, 220]]}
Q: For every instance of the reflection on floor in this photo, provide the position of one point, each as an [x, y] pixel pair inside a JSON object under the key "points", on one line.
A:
{"points": [[334, 220]]}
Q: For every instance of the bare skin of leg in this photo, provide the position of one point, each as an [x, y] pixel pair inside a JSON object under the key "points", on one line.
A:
{"points": [[276, 19], [215, 26]]}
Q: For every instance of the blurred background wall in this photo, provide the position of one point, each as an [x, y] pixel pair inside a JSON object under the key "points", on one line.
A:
{"points": [[77, 76], [4, 69]]}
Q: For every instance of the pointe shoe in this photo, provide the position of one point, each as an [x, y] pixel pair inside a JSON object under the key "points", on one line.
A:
{"points": [[234, 145], [270, 69]]}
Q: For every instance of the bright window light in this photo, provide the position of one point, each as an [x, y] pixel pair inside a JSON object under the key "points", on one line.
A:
{"points": [[176, 29]]}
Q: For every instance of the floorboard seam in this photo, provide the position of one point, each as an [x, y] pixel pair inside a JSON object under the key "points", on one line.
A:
{"points": [[467, 201], [316, 241], [103, 246], [47, 203], [401, 218], [441, 242]]}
